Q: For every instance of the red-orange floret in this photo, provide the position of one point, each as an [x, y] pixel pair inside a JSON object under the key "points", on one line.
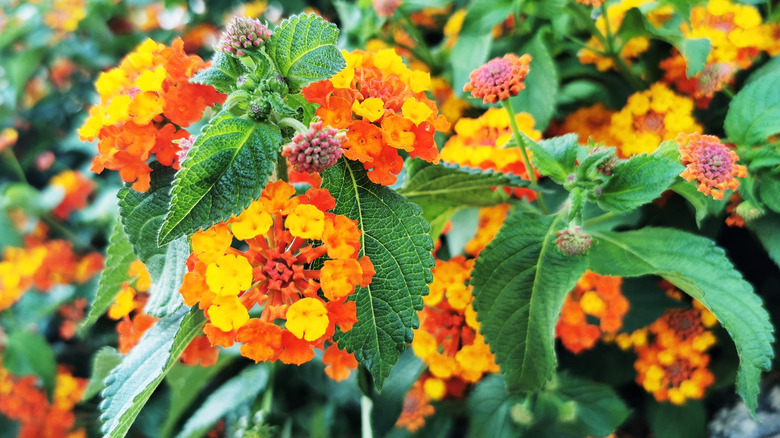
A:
{"points": [[499, 79]]}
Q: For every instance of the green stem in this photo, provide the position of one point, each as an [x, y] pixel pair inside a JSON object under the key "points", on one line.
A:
{"points": [[11, 159], [614, 53], [60, 229], [728, 92], [366, 405], [289, 122], [281, 167], [421, 50], [599, 219], [522, 144]]}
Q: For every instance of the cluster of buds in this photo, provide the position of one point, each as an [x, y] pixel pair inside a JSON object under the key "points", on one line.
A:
{"points": [[573, 241], [243, 33], [315, 150]]}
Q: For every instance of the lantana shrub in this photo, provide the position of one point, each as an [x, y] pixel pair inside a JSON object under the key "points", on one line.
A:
{"points": [[469, 219]]}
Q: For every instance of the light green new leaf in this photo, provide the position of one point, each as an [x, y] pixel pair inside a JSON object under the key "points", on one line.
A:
{"points": [[239, 390], [699, 268], [599, 410], [304, 50], [395, 238], [443, 189], [119, 255], [490, 407], [541, 85], [555, 157], [130, 385], [222, 73], [142, 216], [520, 281], [754, 113], [224, 172], [638, 181], [105, 360]]}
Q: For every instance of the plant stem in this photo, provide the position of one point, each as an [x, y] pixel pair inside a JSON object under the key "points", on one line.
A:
{"points": [[614, 53], [421, 50], [289, 122], [366, 405], [11, 159], [281, 167], [522, 144], [598, 219]]}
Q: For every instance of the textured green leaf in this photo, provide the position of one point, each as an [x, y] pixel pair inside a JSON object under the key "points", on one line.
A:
{"points": [[304, 49], [703, 205], [769, 190], [130, 384], [520, 281], [237, 391], [395, 238], [555, 157], [222, 73], [105, 360], [638, 181], [142, 216], [767, 229], [224, 172], [539, 96], [677, 421], [700, 268], [28, 353], [754, 113], [443, 189], [119, 255]]}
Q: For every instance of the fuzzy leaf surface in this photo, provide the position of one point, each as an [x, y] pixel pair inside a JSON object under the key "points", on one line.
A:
{"points": [[142, 216], [395, 238], [304, 49], [638, 181], [699, 268], [754, 113], [555, 157], [224, 172], [119, 255], [129, 385], [105, 360], [520, 280], [222, 73]]}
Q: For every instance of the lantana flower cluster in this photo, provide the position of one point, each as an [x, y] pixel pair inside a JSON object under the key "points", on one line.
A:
{"points": [[671, 354], [23, 400], [651, 117], [483, 143], [448, 340], [144, 103], [383, 106], [42, 264], [710, 163], [283, 238], [76, 187], [595, 296]]}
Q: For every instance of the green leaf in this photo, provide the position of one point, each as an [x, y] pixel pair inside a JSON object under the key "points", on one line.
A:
{"points": [[222, 74], [303, 47], [142, 216], [677, 421], [699, 268], [555, 157], [767, 229], [769, 190], [491, 409], [475, 38], [395, 238], [185, 383], [443, 189], [598, 409], [389, 403], [638, 181], [541, 85], [119, 256], [105, 360], [239, 390], [28, 353], [754, 113], [130, 385], [520, 281], [224, 172]]}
